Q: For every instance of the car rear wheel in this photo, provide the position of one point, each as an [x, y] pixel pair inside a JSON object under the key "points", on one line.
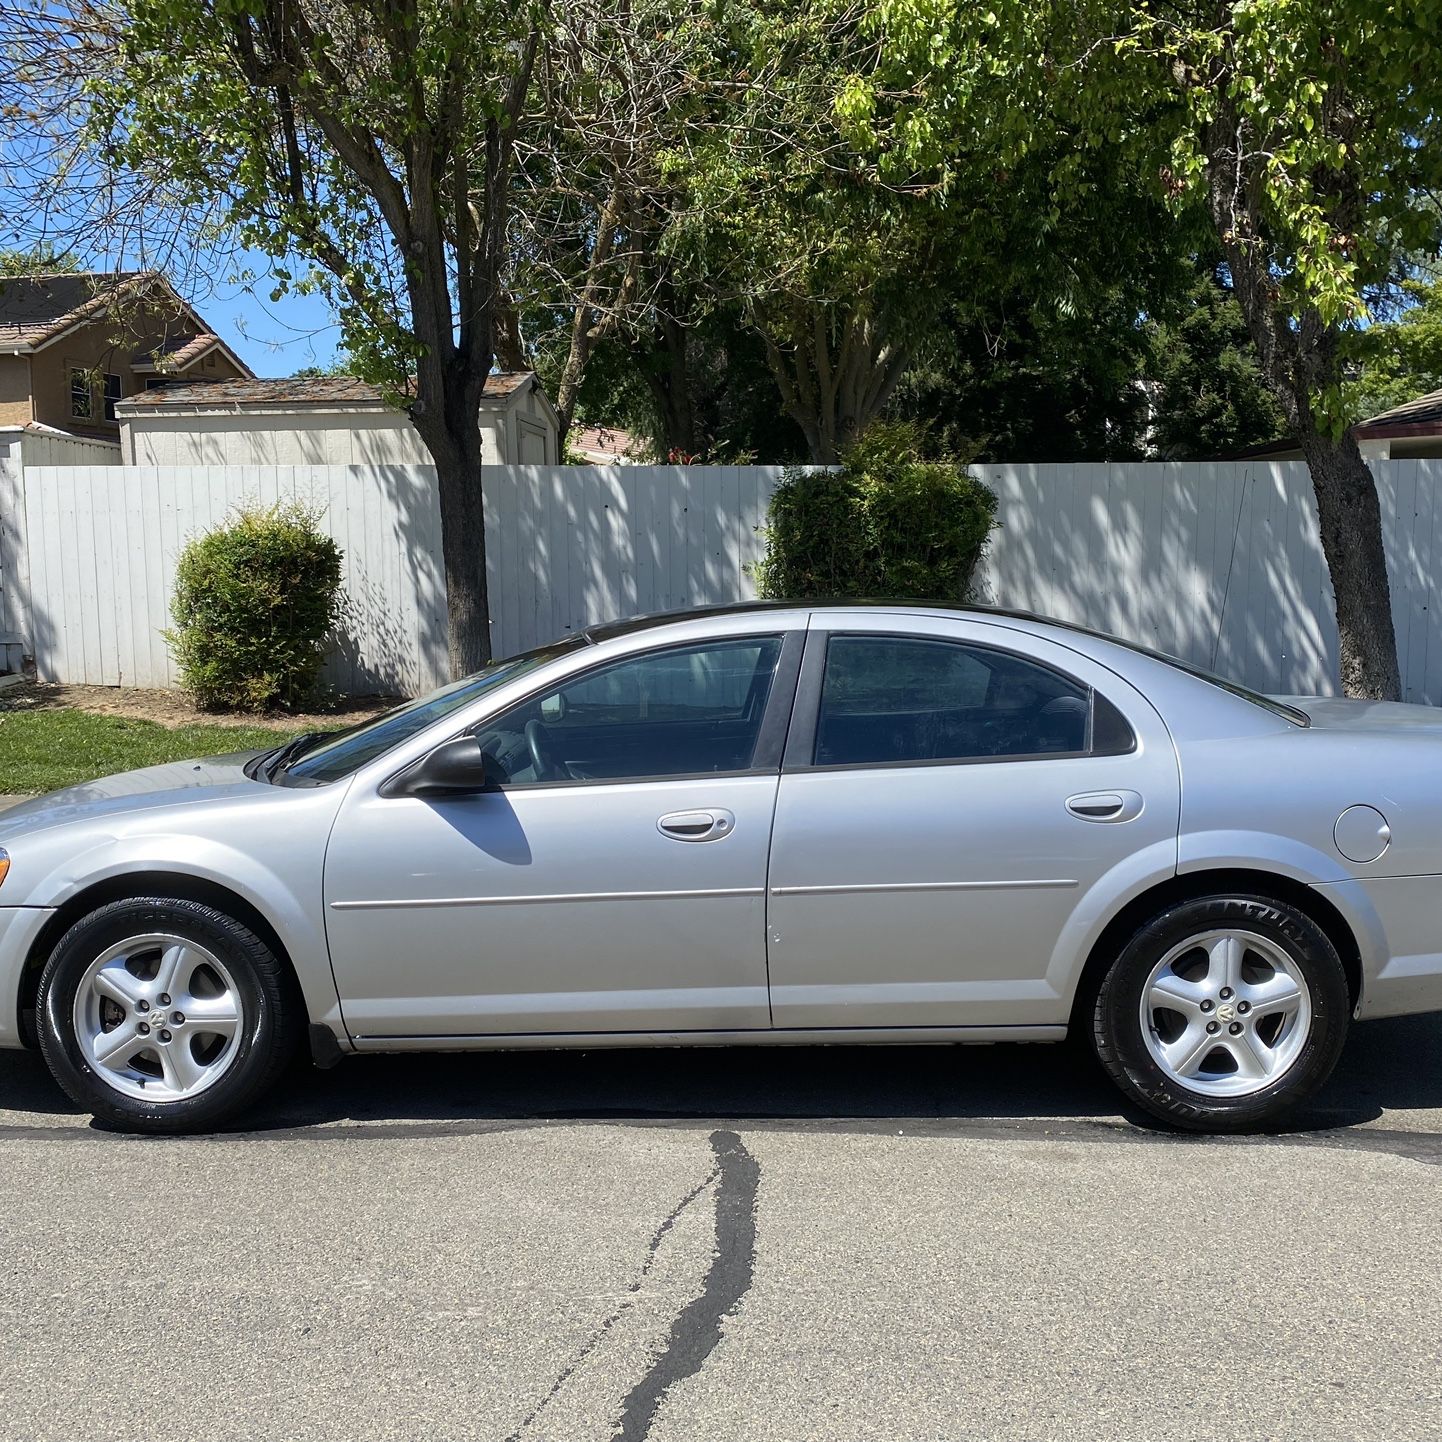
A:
{"points": [[1223, 1013], [163, 1015]]}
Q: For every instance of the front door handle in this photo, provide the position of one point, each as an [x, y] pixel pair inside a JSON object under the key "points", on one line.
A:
{"points": [[696, 825], [1105, 805]]}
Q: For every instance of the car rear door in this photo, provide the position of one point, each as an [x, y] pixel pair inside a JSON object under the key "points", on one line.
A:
{"points": [[956, 794]]}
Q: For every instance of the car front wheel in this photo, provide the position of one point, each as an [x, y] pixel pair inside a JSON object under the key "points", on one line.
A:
{"points": [[164, 1015], [1223, 1013]]}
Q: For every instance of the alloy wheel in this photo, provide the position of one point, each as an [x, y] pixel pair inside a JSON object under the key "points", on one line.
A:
{"points": [[159, 1017], [1226, 1013]]}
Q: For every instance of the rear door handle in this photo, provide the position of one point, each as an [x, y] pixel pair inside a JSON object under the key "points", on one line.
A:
{"points": [[696, 825], [1105, 805]]}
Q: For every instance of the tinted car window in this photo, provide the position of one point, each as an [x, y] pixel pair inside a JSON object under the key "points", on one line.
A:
{"points": [[683, 711], [899, 699]]}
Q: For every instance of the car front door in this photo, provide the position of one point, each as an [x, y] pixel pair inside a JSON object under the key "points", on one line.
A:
{"points": [[615, 882], [952, 793]]}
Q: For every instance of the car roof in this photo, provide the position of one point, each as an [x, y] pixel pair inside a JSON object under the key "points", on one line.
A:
{"points": [[610, 630]]}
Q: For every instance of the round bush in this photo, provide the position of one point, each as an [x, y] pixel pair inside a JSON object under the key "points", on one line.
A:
{"points": [[254, 604], [886, 524]]}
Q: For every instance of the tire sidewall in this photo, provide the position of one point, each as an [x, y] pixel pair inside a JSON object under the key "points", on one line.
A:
{"points": [[108, 927], [1119, 1029]]}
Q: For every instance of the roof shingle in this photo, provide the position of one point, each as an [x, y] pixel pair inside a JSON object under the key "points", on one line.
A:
{"points": [[36, 307], [292, 391], [1423, 410]]}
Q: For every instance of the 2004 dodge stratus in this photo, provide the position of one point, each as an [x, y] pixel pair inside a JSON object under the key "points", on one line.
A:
{"points": [[776, 824]]}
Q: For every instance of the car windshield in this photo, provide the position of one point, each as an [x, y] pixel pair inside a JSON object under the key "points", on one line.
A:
{"points": [[349, 750]]}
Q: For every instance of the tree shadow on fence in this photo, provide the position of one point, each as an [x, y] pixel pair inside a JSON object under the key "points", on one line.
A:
{"points": [[1219, 563]]}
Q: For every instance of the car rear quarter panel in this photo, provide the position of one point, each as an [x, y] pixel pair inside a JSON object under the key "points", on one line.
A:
{"points": [[1271, 803]]}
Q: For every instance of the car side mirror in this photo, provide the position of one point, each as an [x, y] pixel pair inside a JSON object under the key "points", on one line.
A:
{"points": [[459, 767]]}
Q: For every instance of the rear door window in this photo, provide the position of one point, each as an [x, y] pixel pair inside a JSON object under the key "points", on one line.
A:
{"points": [[897, 700]]}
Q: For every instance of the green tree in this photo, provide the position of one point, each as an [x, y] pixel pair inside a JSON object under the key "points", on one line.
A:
{"points": [[1209, 396], [373, 140], [42, 258], [1303, 132], [1399, 359], [1032, 383]]}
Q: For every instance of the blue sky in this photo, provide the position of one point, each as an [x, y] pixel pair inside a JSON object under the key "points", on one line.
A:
{"points": [[274, 338], [230, 289]]}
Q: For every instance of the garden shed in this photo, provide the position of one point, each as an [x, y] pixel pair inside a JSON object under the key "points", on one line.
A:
{"points": [[320, 421]]}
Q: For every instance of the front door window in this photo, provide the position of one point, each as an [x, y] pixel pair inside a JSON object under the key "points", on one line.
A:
{"points": [[683, 711]]}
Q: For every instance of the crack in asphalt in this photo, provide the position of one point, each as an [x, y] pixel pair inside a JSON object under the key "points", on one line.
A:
{"points": [[696, 1332], [599, 1334]]}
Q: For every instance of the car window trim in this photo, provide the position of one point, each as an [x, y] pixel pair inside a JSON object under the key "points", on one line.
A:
{"points": [[806, 714], [770, 736]]}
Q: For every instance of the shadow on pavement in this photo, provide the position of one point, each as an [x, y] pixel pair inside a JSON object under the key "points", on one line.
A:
{"points": [[1388, 1066]]}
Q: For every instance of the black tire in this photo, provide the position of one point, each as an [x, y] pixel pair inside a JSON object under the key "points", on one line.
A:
{"points": [[272, 1014], [1118, 1029]]}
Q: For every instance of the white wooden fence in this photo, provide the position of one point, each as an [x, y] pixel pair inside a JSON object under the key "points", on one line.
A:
{"points": [[34, 446], [1217, 563]]}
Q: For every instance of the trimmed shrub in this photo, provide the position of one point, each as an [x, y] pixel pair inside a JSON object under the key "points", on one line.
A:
{"points": [[254, 603], [886, 524]]}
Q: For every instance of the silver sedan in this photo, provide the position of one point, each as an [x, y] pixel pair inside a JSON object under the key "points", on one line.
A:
{"points": [[762, 824]]}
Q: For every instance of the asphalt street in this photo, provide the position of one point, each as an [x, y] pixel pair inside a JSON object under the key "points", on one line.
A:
{"points": [[901, 1243]]}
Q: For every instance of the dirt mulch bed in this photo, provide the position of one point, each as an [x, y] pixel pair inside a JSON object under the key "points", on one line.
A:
{"points": [[174, 708]]}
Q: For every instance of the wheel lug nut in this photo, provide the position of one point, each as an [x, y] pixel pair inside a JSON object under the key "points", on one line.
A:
{"points": [[1243, 1007], [165, 1035], [1226, 994], [179, 1018], [1213, 1027], [164, 998], [142, 1005], [1235, 1028], [143, 1029], [1208, 1005]]}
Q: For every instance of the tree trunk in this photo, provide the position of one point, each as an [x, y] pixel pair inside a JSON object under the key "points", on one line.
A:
{"points": [[1299, 360], [835, 375], [463, 549], [670, 384], [455, 446], [1350, 518]]}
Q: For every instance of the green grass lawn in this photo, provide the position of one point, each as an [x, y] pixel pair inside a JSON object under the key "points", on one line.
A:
{"points": [[44, 749]]}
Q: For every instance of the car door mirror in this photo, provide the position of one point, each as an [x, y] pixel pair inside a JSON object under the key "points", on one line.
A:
{"points": [[459, 767]]}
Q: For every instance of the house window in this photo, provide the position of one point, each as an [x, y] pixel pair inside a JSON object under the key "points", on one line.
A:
{"points": [[81, 402], [112, 394]]}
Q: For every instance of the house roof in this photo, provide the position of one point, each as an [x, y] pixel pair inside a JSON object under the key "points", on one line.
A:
{"points": [[175, 351], [603, 444], [1422, 416], [293, 391], [37, 308]]}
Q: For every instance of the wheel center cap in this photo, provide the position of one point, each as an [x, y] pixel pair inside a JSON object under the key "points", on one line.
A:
{"points": [[1226, 1011]]}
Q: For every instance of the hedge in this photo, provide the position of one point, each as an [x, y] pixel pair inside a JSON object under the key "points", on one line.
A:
{"points": [[886, 524], [255, 602]]}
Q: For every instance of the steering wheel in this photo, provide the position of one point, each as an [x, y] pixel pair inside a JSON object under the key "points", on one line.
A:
{"points": [[544, 757]]}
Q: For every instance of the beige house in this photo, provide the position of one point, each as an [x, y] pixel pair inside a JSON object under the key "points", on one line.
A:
{"points": [[72, 347], [322, 421]]}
